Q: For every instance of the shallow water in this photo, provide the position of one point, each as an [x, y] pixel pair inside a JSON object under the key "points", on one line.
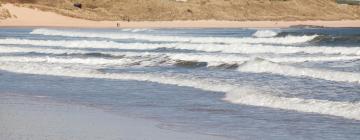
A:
{"points": [[238, 83]]}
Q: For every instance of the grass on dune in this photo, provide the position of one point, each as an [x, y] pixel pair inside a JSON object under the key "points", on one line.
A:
{"points": [[4, 13]]}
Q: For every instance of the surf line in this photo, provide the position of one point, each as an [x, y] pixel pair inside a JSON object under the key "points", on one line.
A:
{"points": [[233, 93]]}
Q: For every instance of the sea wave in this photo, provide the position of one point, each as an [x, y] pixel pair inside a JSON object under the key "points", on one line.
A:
{"points": [[124, 61], [87, 61], [211, 59], [226, 40], [84, 44], [264, 33], [7, 49], [244, 48], [227, 58], [233, 93], [350, 40], [135, 30], [263, 66]]}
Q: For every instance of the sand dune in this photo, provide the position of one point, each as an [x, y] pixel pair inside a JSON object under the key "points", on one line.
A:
{"points": [[27, 17]]}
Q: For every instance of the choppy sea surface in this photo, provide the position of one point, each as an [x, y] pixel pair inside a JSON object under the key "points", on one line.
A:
{"points": [[275, 84]]}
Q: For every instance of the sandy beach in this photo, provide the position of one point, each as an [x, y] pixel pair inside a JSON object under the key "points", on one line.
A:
{"points": [[38, 18]]}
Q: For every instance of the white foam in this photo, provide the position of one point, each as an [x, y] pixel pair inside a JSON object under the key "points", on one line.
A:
{"points": [[298, 59], [244, 48], [82, 44], [255, 49], [134, 30], [127, 60], [211, 59], [5, 49], [86, 61], [263, 66], [228, 40], [228, 58], [234, 94], [343, 109], [264, 33]]}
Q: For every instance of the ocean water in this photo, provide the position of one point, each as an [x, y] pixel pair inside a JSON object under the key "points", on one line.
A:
{"points": [[238, 83]]}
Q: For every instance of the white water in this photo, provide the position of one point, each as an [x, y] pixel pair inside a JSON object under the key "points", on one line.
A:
{"points": [[233, 40], [263, 66], [265, 33], [85, 44], [154, 58], [234, 94], [136, 30], [255, 66], [86, 61], [5, 49], [244, 48], [219, 58]]}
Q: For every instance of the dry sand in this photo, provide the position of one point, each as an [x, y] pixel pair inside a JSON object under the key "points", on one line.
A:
{"points": [[26, 17]]}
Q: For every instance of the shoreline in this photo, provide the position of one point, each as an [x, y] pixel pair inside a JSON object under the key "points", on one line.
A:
{"points": [[49, 19], [203, 24]]}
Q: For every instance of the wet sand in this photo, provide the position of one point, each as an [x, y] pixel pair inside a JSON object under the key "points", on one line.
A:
{"points": [[37, 118]]}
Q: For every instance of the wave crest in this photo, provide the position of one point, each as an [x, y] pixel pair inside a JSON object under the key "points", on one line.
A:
{"points": [[226, 40], [265, 33], [244, 48], [263, 66]]}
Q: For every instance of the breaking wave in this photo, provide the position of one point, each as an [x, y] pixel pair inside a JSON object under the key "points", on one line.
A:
{"points": [[226, 40], [5, 49], [86, 61], [263, 66], [265, 33], [233, 93], [244, 48], [123, 61], [236, 58], [210, 59], [136, 30], [82, 44], [337, 40]]}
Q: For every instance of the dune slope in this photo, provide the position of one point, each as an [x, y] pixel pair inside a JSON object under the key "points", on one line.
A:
{"points": [[140, 10]]}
